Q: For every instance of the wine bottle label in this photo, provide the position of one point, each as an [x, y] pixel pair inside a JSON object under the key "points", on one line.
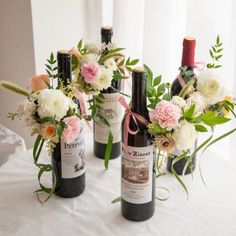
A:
{"points": [[137, 171], [73, 158], [112, 111]]}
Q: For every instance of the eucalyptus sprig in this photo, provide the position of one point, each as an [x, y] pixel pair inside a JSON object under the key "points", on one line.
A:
{"points": [[216, 54]]}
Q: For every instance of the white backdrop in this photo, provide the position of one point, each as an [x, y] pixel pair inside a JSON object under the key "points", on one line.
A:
{"points": [[150, 29]]}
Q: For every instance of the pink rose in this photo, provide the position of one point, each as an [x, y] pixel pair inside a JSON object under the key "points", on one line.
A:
{"points": [[90, 72], [166, 114], [74, 127], [74, 51], [39, 82]]}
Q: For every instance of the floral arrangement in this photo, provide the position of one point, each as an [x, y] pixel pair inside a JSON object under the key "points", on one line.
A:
{"points": [[50, 113], [202, 104], [95, 65]]}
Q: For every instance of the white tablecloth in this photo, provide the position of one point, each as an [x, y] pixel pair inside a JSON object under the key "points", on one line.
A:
{"points": [[10, 143], [210, 210]]}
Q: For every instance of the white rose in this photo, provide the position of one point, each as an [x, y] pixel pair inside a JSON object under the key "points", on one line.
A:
{"points": [[88, 59], [94, 47], [110, 64], [53, 103], [178, 101], [210, 86], [199, 101], [25, 111], [185, 135], [104, 80]]}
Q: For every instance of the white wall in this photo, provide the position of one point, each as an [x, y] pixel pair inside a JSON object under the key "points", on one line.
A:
{"points": [[17, 57]]}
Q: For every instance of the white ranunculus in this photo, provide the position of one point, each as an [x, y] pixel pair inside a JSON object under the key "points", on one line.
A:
{"points": [[185, 135], [104, 80], [94, 47], [180, 102], [199, 101], [209, 84], [110, 64], [52, 103], [88, 59], [25, 111]]}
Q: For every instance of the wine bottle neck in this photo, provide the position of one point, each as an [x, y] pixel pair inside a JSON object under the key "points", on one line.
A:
{"points": [[64, 67], [188, 53], [106, 34], [139, 100]]}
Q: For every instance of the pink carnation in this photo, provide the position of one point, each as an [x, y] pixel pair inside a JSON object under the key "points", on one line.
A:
{"points": [[166, 114], [74, 127], [90, 72]]}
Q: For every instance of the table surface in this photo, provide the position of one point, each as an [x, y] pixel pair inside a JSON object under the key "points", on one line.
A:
{"points": [[210, 210]]}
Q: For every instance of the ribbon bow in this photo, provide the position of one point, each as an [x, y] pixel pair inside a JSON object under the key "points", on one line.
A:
{"points": [[80, 97], [128, 114]]}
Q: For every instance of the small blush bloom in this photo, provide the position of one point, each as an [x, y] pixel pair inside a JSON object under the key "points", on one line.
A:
{"points": [[39, 82], [48, 130], [74, 127], [90, 72], [74, 51], [165, 143], [166, 114]]}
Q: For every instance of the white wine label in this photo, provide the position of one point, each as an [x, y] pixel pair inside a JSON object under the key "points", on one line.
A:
{"points": [[73, 158], [112, 111], [137, 171]]}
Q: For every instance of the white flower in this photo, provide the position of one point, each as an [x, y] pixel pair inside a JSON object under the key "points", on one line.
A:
{"points": [[178, 101], [185, 135], [104, 80], [110, 64], [88, 59], [199, 101], [52, 103], [210, 86], [94, 47], [25, 111]]}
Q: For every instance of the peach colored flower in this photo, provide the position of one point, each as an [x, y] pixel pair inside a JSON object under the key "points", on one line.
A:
{"points": [[166, 114], [90, 72], [48, 130], [165, 143], [74, 51], [39, 82], [74, 127]]}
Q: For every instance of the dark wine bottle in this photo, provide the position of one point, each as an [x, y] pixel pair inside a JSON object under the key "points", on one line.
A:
{"points": [[138, 173], [68, 160], [188, 54], [111, 110]]}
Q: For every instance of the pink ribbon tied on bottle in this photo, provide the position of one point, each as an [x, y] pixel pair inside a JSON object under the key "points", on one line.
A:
{"points": [[128, 114], [80, 97]]}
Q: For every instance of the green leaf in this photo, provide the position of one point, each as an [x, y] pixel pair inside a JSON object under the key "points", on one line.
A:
{"points": [[51, 57], [211, 119], [134, 62], [189, 112], [211, 53], [201, 128], [161, 89], [157, 80], [218, 40], [149, 72], [79, 45], [217, 66], [167, 97], [108, 150], [219, 50], [219, 138], [118, 199], [49, 67]]}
